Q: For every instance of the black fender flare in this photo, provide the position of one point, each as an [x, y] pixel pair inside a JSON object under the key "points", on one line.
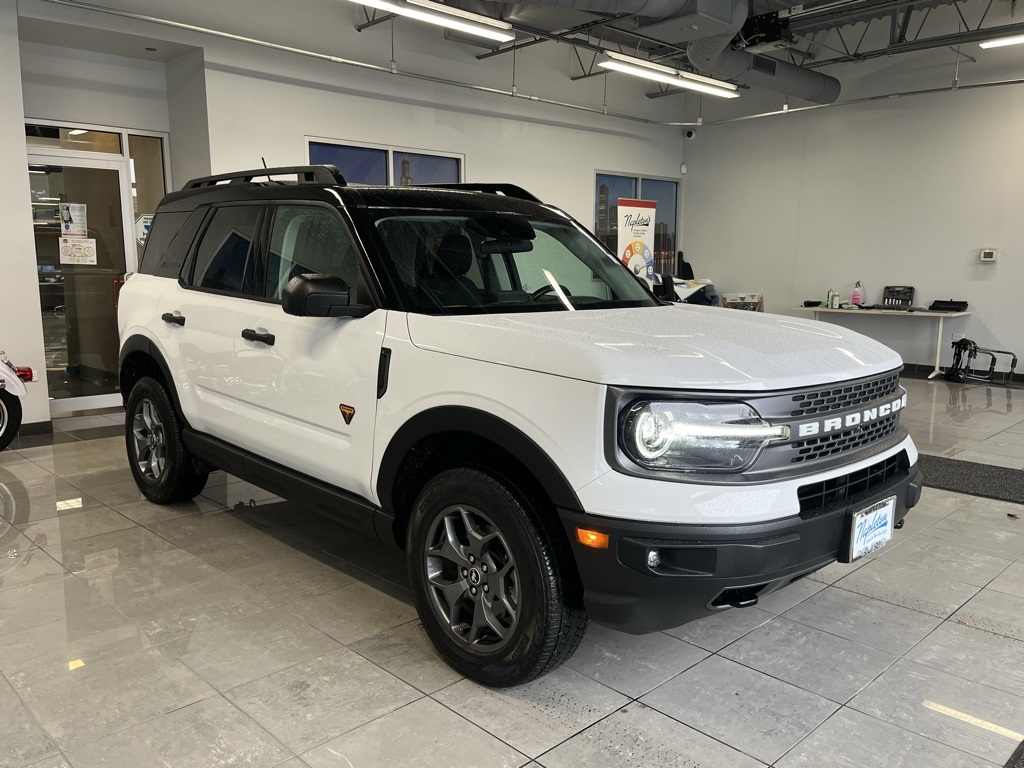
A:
{"points": [[145, 345], [455, 418]]}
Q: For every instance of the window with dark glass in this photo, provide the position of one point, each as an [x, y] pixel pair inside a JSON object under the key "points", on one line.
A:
{"points": [[224, 255]]}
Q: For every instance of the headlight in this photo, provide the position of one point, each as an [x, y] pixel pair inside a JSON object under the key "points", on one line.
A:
{"points": [[696, 437]]}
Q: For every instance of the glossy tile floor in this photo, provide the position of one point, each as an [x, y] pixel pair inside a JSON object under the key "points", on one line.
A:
{"points": [[237, 630]]}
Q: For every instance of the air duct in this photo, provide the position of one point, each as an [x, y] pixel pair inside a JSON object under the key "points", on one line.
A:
{"points": [[714, 56]]}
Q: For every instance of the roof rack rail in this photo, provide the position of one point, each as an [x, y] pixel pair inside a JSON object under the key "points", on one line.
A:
{"points": [[508, 190], [318, 174]]}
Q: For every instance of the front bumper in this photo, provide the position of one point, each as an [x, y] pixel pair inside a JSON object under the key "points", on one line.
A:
{"points": [[707, 568]]}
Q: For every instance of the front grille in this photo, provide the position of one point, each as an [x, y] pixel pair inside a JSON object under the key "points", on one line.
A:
{"points": [[845, 395], [818, 498], [848, 440]]}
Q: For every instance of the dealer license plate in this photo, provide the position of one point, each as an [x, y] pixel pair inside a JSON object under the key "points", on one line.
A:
{"points": [[871, 528]]}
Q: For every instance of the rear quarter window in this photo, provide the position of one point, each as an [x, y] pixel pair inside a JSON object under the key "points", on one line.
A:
{"points": [[168, 242]]}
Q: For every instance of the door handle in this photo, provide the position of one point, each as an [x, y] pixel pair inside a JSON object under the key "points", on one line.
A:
{"points": [[264, 338], [167, 317]]}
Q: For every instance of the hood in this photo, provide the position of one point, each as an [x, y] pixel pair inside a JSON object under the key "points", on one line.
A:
{"points": [[674, 347]]}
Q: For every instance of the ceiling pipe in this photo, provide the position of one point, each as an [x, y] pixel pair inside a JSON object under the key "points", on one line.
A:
{"points": [[715, 56]]}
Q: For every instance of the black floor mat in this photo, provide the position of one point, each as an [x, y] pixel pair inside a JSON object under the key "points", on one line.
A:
{"points": [[976, 479], [1017, 758]]}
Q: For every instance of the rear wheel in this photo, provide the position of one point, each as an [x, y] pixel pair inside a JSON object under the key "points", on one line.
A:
{"points": [[163, 468], [10, 417], [489, 584]]}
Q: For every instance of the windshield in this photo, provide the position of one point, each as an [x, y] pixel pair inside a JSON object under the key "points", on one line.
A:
{"points": [[485, 262]]}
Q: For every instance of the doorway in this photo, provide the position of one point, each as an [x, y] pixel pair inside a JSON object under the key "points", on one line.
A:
{"points": [[93, 195]]}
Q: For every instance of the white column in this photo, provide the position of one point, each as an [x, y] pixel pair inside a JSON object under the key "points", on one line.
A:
{"points": [[21, 326]]}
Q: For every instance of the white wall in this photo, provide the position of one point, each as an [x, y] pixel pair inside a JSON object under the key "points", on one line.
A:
{"points": [[895, 192], [97, 88], [21, 328]]}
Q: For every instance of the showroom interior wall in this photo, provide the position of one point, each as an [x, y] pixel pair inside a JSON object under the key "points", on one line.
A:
{"points": [[900, 191], [21, 328]]}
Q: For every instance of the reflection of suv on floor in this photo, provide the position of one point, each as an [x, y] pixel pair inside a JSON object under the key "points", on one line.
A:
{"points": [[468, 374]]}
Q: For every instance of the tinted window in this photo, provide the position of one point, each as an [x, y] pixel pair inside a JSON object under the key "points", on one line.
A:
{"points": [[308, 239], [157, 257], [222, 261]]}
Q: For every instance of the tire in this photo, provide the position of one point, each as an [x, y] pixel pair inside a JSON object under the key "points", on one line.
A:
{"points": [[10, 418], [495, 594], [163, 468]]}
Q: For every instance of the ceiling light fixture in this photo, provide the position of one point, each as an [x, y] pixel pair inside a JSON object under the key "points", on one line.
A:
{"points": [[999, 42], [443, 16], [77, 132], [649, 70]]}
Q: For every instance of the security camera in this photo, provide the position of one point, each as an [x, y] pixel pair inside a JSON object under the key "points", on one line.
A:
{"points": [[690, 134]]}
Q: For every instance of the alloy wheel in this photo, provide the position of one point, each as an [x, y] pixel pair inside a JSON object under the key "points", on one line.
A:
{"points": [[472, 578], [149, 441]]}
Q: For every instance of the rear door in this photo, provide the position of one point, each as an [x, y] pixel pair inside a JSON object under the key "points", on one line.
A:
{"points": [[200, 310], [307, 386]]}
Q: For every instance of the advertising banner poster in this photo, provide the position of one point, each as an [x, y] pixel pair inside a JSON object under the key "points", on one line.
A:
{"points": [[636, 236], [77, 250], [72, 220]]}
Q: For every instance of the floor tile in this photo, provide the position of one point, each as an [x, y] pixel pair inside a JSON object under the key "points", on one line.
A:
{"points": [[864, 620], [230, 494], [633, 664], [108, 549], [974, 654], [1010, 581], [986, 513], [745, 709], [195, 529], [232, 553], [318, 700], [1005, 544], [244, 650], [147, 513], [82, 525], [639, 736], [50, 762], [718, 630], [928, 556], [785, 598], [299, 574], [400, 739], [71, 423], [536, 716], [43, 500], [44, 603], [19, 568], [110, 486], [200, 605], [939, 503], [907, 587], [1010, 462], [994, 612], [850, 739], [208, 733], [22, 741], [907, 694], [56, 650], [99, 700], [830, 666], [407, 653], [833, 572], [149, 576], [353, 612]]}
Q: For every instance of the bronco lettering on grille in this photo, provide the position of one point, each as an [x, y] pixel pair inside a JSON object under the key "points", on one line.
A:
{"points": [[838, 423]]}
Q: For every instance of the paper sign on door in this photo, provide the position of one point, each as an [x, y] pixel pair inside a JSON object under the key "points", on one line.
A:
{"points": [[77, 250]]}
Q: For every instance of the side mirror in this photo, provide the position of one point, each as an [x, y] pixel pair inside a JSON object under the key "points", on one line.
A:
{"points": [[319, 296]]}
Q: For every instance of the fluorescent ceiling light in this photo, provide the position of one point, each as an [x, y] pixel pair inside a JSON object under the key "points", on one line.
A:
{"points": [[452, 11], [492, 29], [77, 132], [999, 42], [650, 70]]}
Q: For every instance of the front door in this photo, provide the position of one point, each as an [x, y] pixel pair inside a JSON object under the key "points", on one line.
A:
{"points": [[307, 386], [83, 250]]}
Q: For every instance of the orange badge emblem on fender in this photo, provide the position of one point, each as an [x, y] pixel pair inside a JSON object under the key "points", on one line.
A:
{"points": [[348, 412]]}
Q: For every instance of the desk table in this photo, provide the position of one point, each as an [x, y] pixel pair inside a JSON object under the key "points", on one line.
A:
{"points": [[940, 316]]}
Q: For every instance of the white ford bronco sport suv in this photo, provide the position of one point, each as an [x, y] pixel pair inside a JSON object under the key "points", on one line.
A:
{"points": [[466, 373]]}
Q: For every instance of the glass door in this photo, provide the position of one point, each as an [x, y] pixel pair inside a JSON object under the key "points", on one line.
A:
{"points": [[83, 251]]}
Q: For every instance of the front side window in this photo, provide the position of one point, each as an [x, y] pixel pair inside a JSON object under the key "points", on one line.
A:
{"points": [[224, 259], [472, 263], [307, 239]]}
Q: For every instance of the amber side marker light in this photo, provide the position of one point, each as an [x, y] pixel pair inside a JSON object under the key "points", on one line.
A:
{"points": [[594, 539]]}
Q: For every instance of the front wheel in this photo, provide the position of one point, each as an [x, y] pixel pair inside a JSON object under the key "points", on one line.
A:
{"points": [[10, 418], [162, 467], [490, 587]]}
